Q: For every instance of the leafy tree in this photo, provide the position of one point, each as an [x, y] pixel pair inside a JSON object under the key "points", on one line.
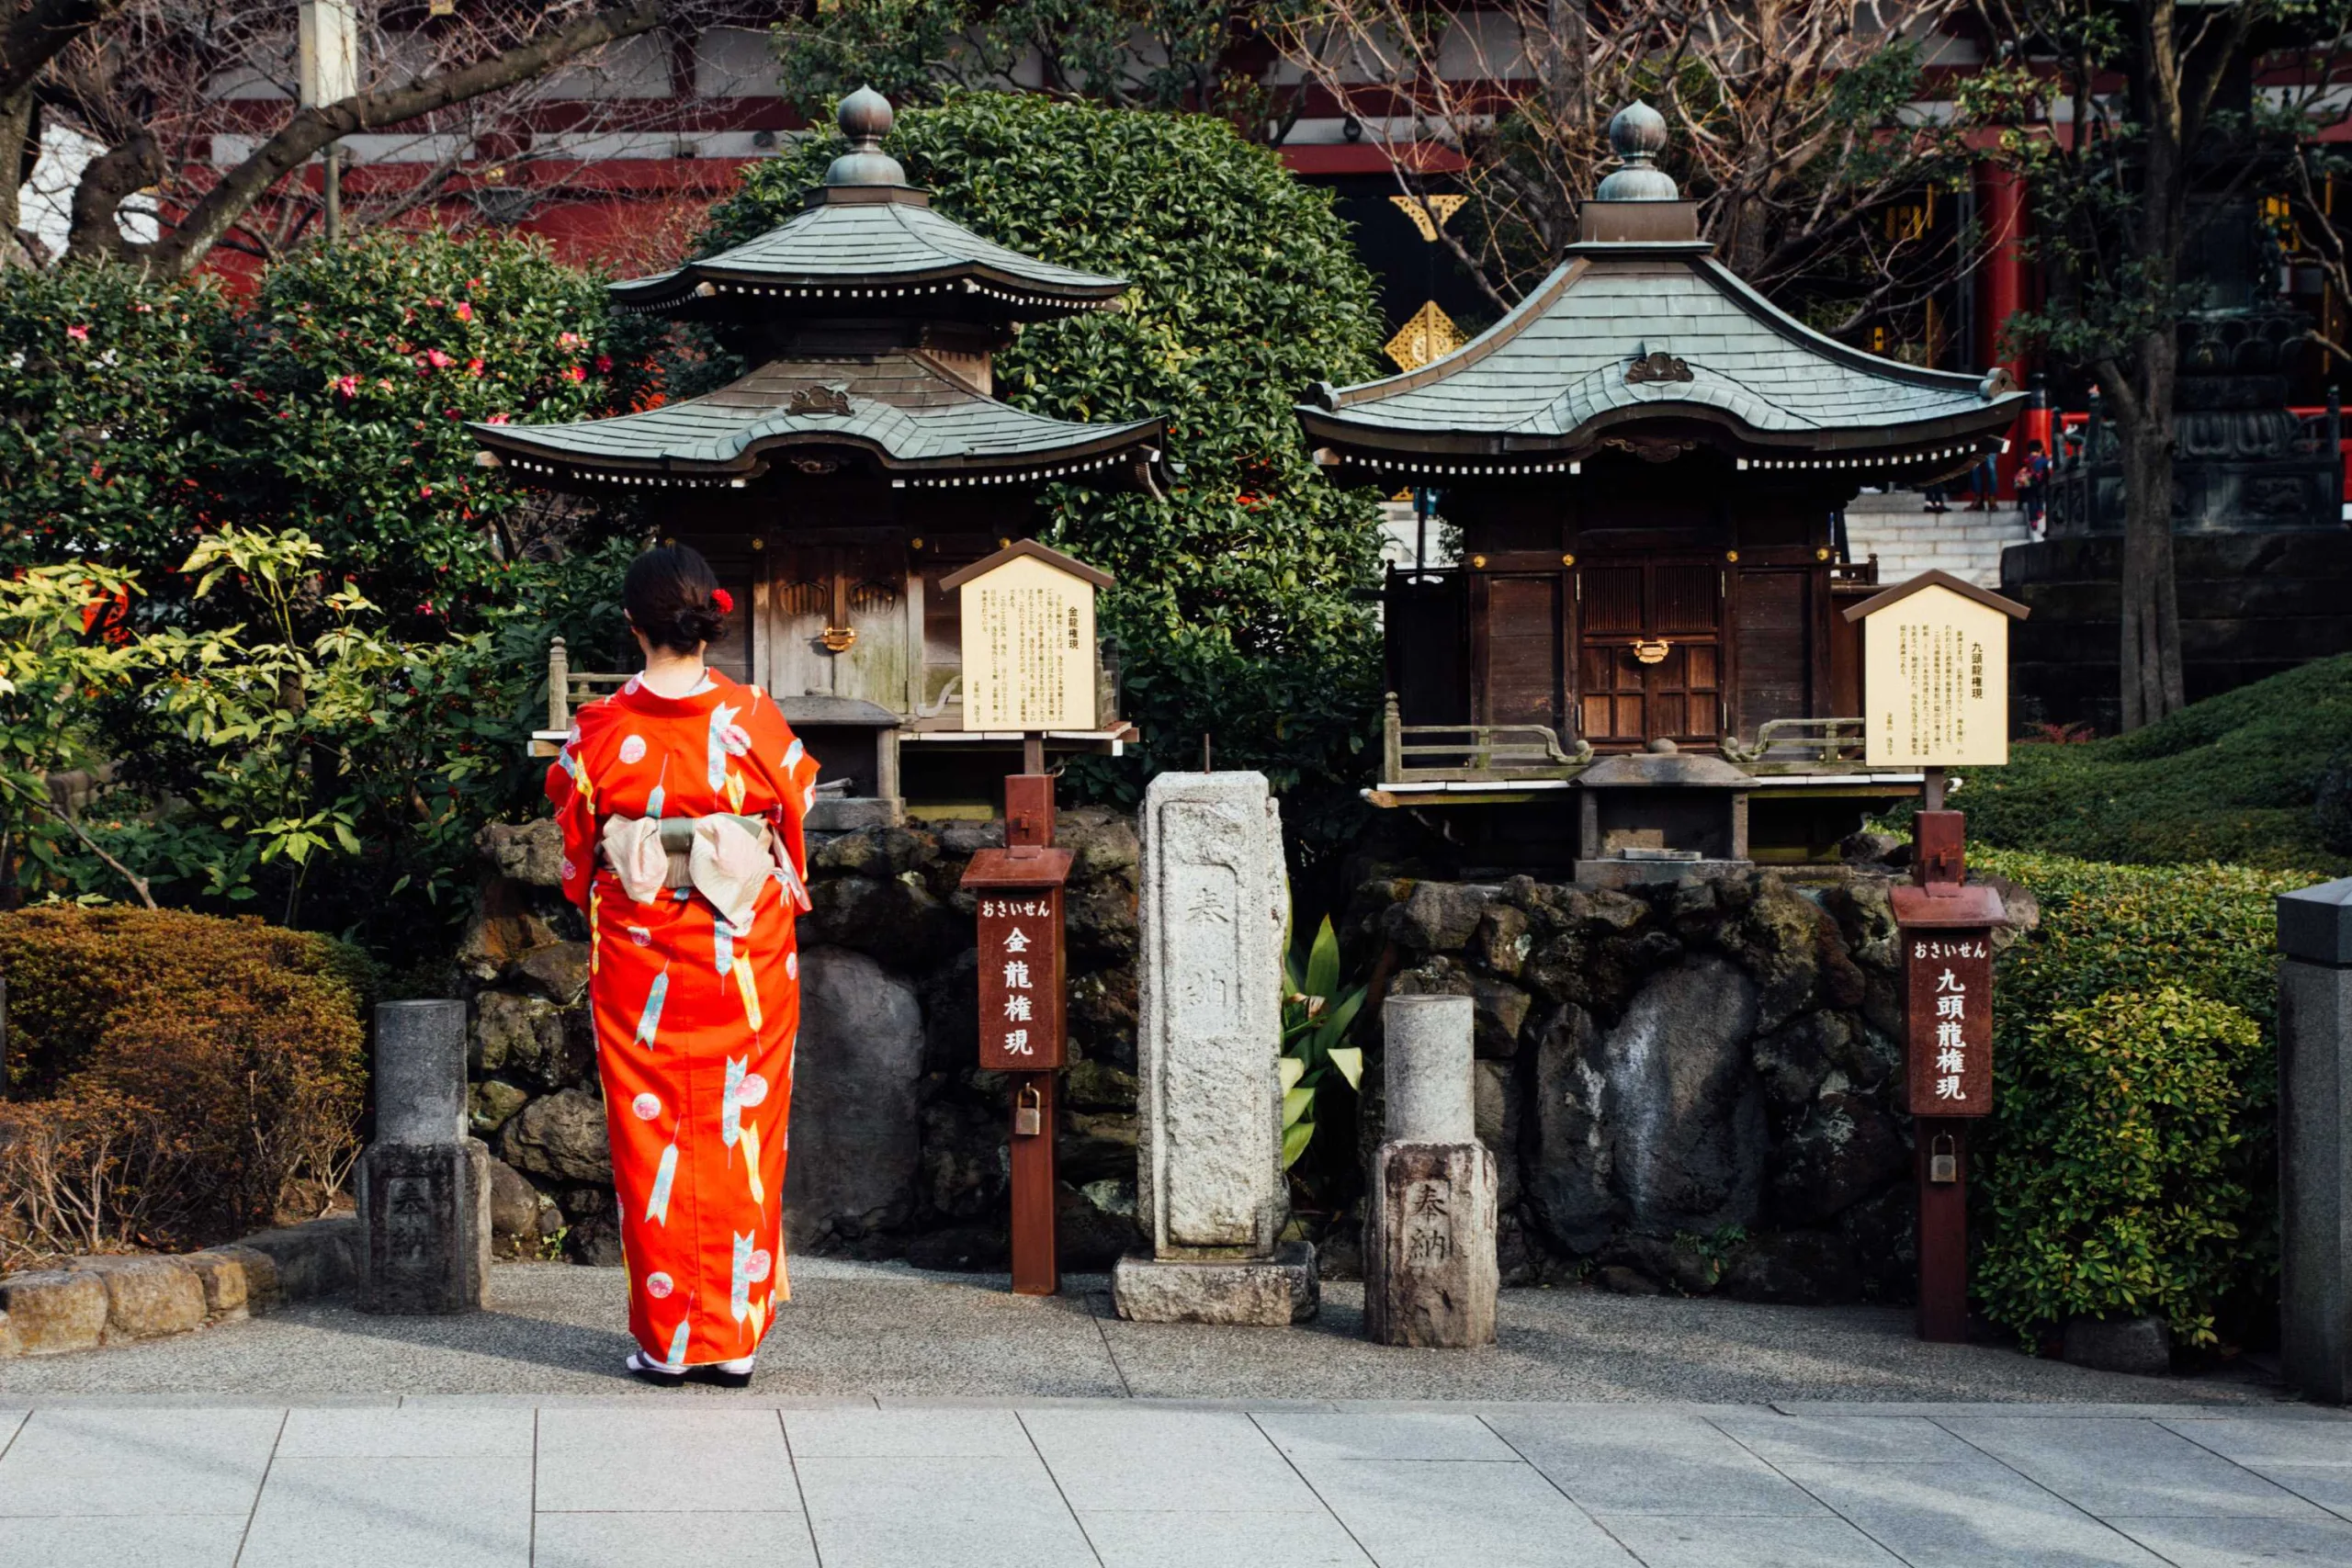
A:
{"points": [[109, 389], [1234, 603], [350, 377], [1164, 54], [2137, 126]]}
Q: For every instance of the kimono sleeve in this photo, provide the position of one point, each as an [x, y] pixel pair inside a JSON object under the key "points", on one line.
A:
{"points": [[573, 795]]}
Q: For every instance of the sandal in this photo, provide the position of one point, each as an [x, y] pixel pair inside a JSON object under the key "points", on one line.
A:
{"points": [[724, 1374], [645, 1369]]}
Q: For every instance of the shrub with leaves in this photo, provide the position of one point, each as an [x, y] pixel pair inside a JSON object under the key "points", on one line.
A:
{"points": [[352, 371], [2130, 1167], [110, 391], [1233, 604], [174, 1080]]}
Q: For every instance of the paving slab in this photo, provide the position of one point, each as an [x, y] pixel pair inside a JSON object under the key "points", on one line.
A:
{"points": [[1119, 1458], [413, 1431], [1193, 1539], [702, 1540], [1634, 1461], [1968, 1516], [602, 1460], [2269, 1439], [473, 1512], [1412, 1512], [2235, 1544], [912, 1432], [137, 1462], [882, 1513], [1668, 1540], [2129, 1467], [182, 1541], [1851, 1440], [1308, 1438], [2327, 1486]]}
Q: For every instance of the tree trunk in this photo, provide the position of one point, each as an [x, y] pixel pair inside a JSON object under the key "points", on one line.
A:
{"points": [[2150, 604], [18, 125]]}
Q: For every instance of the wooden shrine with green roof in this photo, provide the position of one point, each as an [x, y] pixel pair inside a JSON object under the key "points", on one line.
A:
{"points": [[1645, 460], [866, 460]]}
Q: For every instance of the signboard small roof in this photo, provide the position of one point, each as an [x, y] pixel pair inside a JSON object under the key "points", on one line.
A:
{"points": [[1036, 551], [1935, 578]]}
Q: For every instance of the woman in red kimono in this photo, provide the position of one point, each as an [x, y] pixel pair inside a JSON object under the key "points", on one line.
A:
{"points": [[681, 798]]}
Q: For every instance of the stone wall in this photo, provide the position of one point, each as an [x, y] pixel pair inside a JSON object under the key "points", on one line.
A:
{"points": [[1688, 1087], [898, 1137]]}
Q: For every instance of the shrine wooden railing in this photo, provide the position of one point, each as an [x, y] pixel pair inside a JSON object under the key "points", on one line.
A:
{"points": [[569, 688], [1475, 753], [1798, 743]]}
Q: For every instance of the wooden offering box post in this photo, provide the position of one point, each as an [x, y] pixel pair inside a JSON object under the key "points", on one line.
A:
{"points": [[1028, 632], [1935, 695]]}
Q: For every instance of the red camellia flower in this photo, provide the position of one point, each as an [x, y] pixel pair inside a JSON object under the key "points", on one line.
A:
{"points": [[465, 311], [79, 334], [577, 374], [724, 600], [347, 386], [603, 362]]}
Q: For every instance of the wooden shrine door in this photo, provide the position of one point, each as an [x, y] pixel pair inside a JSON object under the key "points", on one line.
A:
{"points": [[837, 623], [1650, 645]]}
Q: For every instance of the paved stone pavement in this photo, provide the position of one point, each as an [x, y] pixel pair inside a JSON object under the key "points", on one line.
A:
{"points": [[493, 1481], [934, 1422]]}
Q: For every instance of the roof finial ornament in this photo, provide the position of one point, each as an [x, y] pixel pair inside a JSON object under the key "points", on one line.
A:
{"points": [[865, 118], [1637, 135]]}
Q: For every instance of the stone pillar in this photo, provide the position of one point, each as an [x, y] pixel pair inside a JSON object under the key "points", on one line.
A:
{"points": [[424, 1185], [1430, 1270], [2315, 1141], [1209, 1182]]}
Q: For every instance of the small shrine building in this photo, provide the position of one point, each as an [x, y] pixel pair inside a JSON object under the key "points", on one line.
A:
{"points": [[864, 461], [1647, 461]]}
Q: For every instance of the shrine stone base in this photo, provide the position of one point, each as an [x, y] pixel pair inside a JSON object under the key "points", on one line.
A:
{"points": [[1429, 1246], [425, 1211], [1264, 1293]]}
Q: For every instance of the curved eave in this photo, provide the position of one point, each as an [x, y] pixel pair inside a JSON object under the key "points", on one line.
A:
{"points": [[696, 286], [1095, 460], [1930, 446]]}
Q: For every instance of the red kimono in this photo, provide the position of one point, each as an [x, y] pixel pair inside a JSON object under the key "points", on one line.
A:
{"points": [[694, 1015]]}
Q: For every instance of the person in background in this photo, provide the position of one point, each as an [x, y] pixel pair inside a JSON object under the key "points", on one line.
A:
{"points": [[681, 797], [2033, 483], [1983, 484]]}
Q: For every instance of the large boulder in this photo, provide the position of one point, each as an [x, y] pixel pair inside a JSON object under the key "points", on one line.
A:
{"points": [[855, 1112], [560, 1136], [1656, 1124], [530, 853]]}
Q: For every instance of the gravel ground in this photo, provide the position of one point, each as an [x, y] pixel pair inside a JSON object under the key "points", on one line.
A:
{"points": [[885, 1331]]}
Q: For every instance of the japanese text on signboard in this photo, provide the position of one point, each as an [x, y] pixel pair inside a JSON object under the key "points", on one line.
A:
{"points": [[1947, 983], [1020, 982]]}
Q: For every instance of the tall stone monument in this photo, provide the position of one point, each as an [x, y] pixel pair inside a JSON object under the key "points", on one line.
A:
{"points": [[424, 1185], [2315, 1141], [1208, 1165], [1430, 1268]]}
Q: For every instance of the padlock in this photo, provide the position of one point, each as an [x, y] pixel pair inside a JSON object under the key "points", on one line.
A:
{"points": [[1943, 1164], [1029, 1114]]}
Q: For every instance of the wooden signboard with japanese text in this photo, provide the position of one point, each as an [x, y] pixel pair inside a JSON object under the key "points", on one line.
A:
{"points": [[1936, 674], [1028, 640], [1948, 1009], [1020, 918]]}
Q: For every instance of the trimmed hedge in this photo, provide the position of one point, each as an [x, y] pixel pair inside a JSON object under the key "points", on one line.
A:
{"points": [[174, 1080], [2131, 1165], [2238, 778]]}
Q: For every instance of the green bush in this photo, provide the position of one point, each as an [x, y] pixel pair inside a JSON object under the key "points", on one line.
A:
{"points": [[110, 391], [1233, 604], [175, 1080], [2127, 1113], [2130, 1166], [2235, 778]]}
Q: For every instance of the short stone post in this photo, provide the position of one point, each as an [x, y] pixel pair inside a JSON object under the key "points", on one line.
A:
{"points": [[1430, 1270], [424, 1185], [1209, 1181], [2315, 1141]]}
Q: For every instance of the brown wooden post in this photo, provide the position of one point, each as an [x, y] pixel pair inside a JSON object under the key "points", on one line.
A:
{"points": [[1021, 992], [1946, 931]]}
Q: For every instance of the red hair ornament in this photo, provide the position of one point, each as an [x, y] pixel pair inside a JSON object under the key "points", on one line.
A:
{"points": [[724, 600]]}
